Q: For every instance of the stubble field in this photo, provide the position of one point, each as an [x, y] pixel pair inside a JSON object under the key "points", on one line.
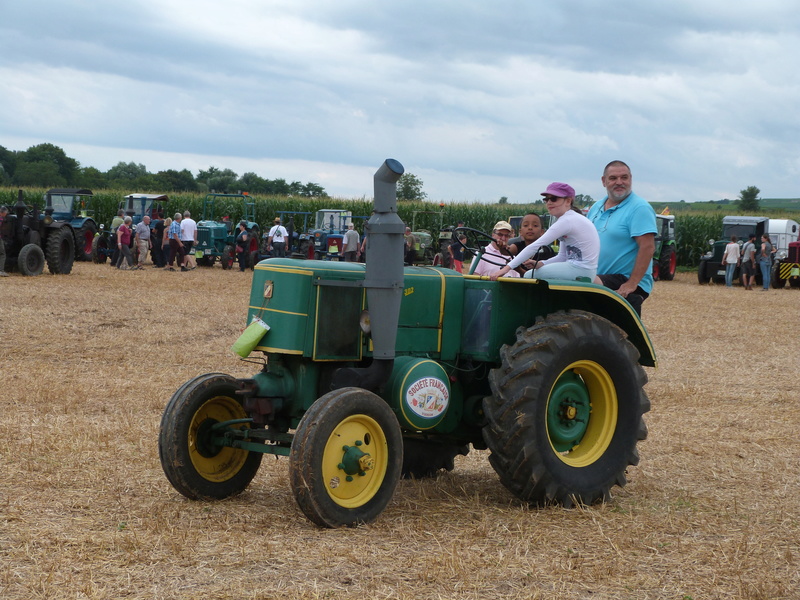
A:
{"points": [[89, 360]]}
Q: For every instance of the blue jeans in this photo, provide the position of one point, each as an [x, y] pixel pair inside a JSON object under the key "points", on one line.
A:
{"points": [[765, 269], [729, 269]]}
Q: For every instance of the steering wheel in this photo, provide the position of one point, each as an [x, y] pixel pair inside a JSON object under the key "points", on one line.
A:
{"points": [[476, 242]]}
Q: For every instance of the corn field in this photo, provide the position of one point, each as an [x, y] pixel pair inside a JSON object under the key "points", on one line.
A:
{"points": [[693, 230]]}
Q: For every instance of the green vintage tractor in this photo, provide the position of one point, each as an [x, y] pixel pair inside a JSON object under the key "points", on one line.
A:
{"points": [[373, 372], [217, 239]]}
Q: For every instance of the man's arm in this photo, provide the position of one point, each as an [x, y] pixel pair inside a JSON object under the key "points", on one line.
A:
{"points": [[647, 247]]}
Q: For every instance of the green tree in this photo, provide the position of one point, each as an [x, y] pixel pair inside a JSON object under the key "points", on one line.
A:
{"points": [[503, 200], [748, 199], [126, 175], [409, 187], [220, 181], [176, 181], [68, 168], [313, 190], [91, 178], [8, 160], [583, 200], [253, 183], [38, 174]]}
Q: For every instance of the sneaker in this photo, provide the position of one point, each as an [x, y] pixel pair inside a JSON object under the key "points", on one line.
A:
{"points": [[171, 269], [184, 269], [3, 274]]}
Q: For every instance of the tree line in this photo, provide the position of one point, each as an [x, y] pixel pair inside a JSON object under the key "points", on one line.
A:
{"points": [[47, 165]]}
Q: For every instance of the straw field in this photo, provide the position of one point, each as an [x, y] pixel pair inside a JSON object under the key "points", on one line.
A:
{"points": [[89, 360]]}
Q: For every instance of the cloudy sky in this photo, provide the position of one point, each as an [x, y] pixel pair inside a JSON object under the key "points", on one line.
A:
{"points": [[478, 99]]}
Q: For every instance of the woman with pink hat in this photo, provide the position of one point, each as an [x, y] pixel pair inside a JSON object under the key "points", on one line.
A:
{"points": [[579, 244]]}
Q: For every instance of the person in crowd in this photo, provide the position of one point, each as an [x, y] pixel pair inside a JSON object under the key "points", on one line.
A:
{"points": [[530, 230], [626, 224], [115, 223], [188, 239], [124, 245], [496, 252], [142, 234], [242, 245], [730, 258], [410, 247], [748, 269], [3, 217], [352, 245], [157, 241], [456, 251], [175, 244], [765, 261], [277, 239], [579, 243]]}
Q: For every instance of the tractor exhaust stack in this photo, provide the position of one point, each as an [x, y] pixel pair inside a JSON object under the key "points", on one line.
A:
{"points": [[383, 280]]}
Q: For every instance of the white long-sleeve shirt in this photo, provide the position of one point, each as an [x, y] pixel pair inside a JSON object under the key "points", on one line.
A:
{"points": [[578, 241]]}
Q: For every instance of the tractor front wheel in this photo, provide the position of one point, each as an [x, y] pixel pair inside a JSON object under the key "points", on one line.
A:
{"points": [[566, 411], [60, 251], [345, 458], [194, 461], [30, 261]]}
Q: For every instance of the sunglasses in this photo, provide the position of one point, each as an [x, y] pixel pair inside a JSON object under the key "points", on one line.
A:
{"points": [[552, 198]]}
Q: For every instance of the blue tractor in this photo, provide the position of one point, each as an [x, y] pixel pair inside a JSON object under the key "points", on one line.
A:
{"points": [[69, 207]]}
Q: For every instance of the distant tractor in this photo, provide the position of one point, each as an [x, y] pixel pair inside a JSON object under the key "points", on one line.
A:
{"points": [[665, 258], [373, 372], [328, 234], [136, 206], [33, 239], [71, 206], [216, 240], [711, 267]]}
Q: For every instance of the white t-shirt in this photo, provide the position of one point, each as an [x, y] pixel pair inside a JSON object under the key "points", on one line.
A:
{"points": [[578, 241], [277, 233], [731, 255], [188, 229]]}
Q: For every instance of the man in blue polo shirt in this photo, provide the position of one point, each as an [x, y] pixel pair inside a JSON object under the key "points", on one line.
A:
{"points": [[626, 225]]}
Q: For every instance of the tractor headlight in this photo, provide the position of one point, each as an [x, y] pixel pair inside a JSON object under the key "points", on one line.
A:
{"points": [[364, 323], [781, 254], [48, 220]]}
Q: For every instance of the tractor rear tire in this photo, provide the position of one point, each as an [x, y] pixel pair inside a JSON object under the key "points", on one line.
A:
{"points": [[30, 261], [667, 264], [60, 251], [84, 241], [566, 411], [100, 249], [423, 458], [345, 458], [193, 464]]}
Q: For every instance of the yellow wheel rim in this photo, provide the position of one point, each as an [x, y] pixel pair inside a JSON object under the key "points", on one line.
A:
{"points": [[353, 489], [582, 412], [212, 462]]}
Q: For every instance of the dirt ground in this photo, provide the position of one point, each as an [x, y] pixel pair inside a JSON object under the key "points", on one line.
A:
{"points": [[89, 360]]}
